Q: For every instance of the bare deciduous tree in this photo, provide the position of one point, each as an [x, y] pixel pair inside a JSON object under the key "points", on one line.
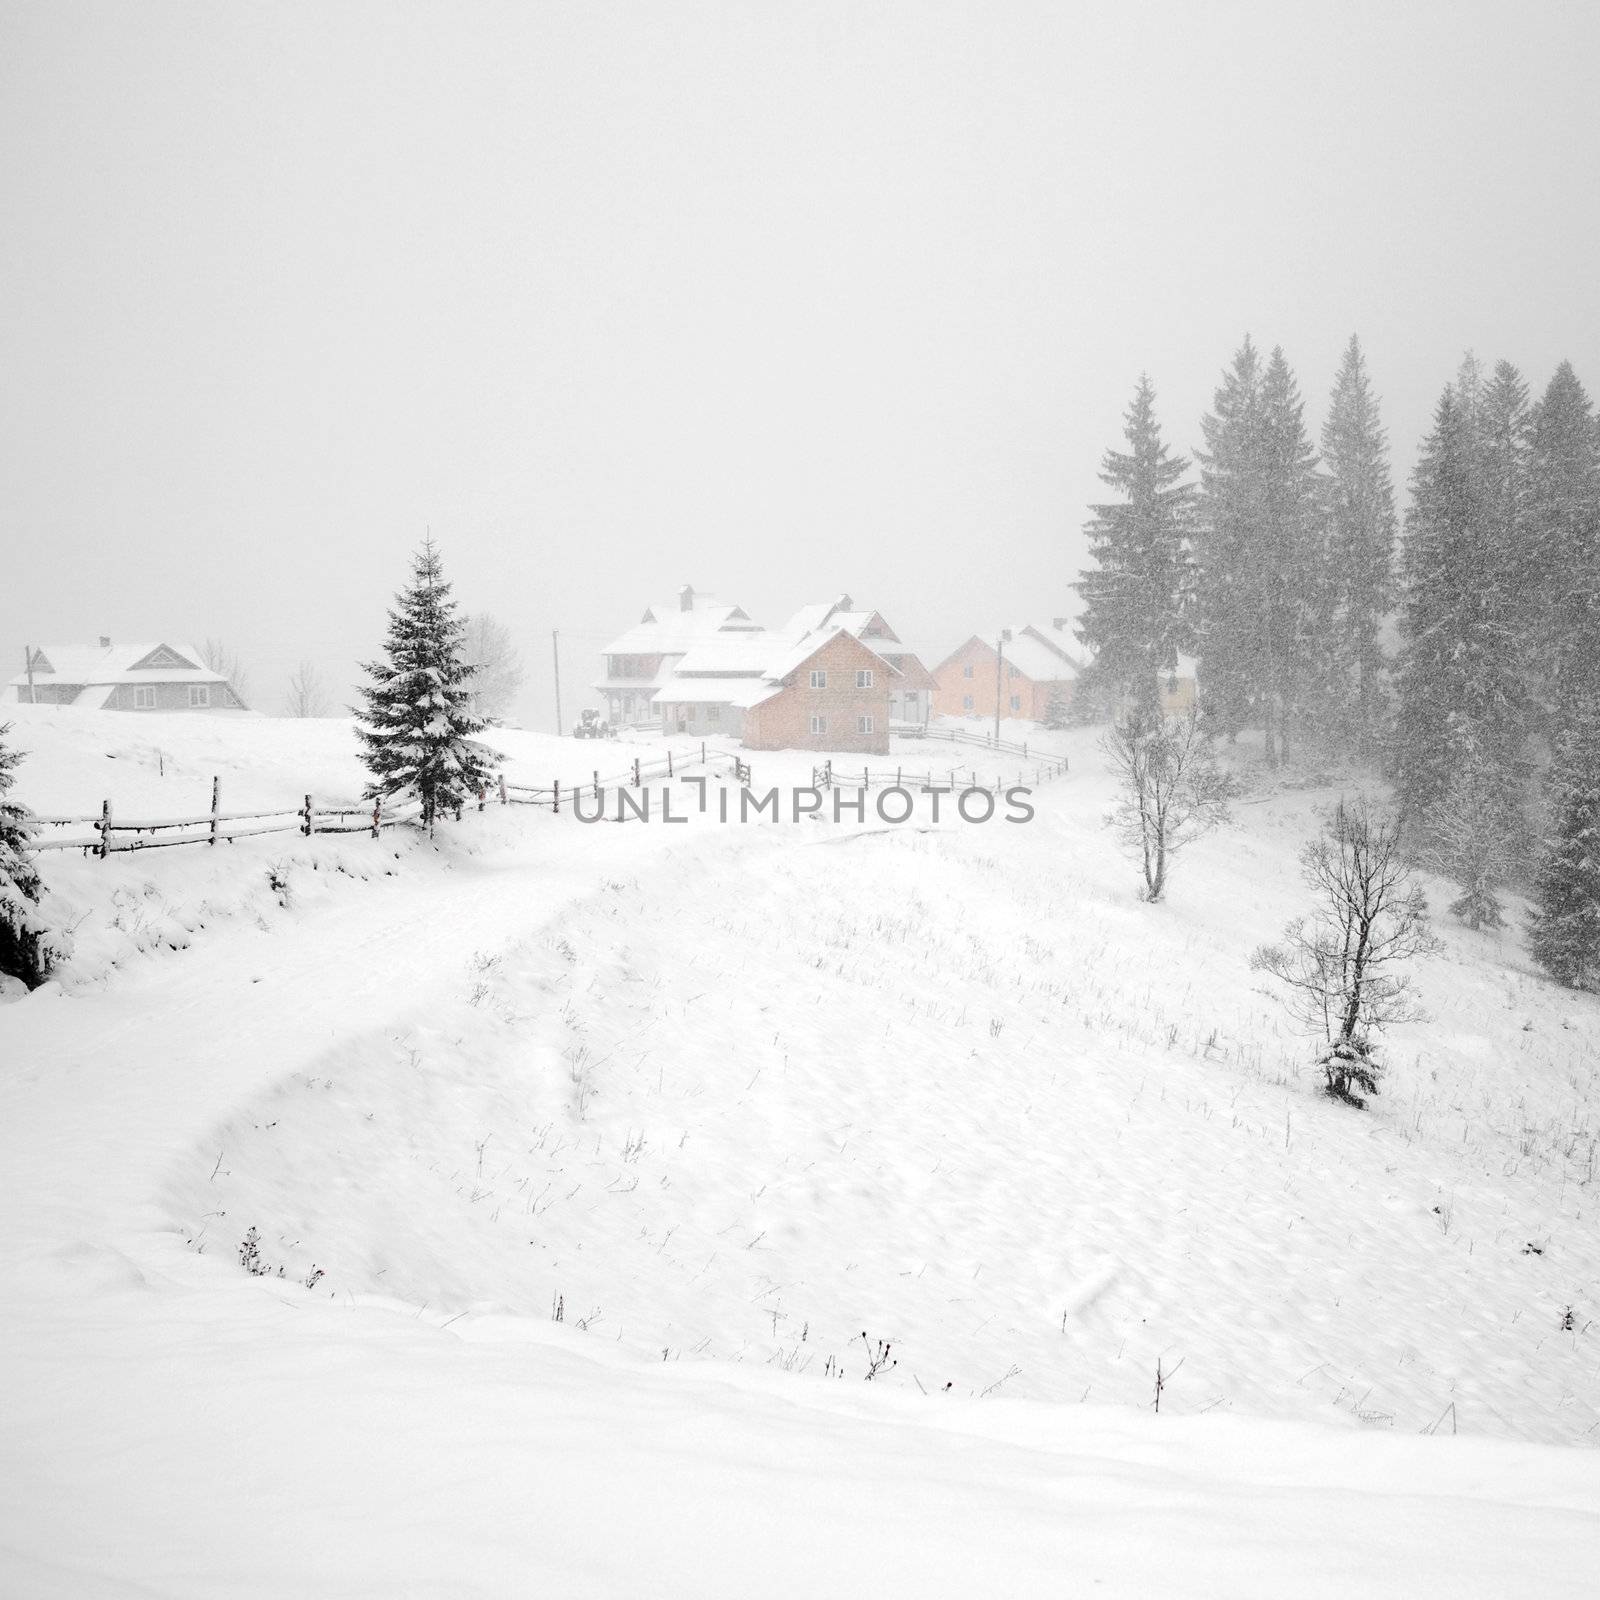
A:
{"points": [[306, 695], [1340, 966], [497, 668], [1172, 791], [226, 664]]}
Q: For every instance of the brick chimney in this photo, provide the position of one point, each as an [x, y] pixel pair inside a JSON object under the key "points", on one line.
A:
{"points": [[105, 641], [686, 598]]}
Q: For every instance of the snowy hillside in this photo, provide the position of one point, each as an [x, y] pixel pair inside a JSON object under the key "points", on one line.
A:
{"points": [[724, 1099]]}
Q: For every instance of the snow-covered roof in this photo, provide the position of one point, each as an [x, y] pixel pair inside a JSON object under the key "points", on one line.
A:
{"points": [[98, 665], [731, 652], [671, 629]]}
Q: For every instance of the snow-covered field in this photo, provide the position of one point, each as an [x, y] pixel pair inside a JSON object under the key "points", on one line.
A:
{"points": [[728, 1099]]}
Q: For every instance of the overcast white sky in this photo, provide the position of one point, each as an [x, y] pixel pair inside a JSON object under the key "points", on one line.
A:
{"points": [[778, 299]]}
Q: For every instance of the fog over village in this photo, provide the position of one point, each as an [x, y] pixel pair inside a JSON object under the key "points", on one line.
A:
{"points": [[799, 800]]}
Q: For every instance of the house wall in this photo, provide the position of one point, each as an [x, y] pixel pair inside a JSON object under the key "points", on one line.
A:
{"points": [[49, 694], [172, 697], [784, 721], [704, 719], [955, 687]]}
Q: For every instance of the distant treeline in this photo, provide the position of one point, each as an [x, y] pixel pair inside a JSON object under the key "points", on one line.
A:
{"points": [[1461, 652]]}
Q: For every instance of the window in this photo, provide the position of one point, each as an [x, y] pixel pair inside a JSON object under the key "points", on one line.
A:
{"points": [[1016, 702], [864, 678], [966, 671], [144, 697], [1011, 672], [966, 702], [199, 694], [819, 679], [863, 724], [819, 724]]}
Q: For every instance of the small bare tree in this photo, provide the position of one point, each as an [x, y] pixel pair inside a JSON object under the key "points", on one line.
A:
{"points": [[306, 696], [496, 667], [1339, 967], [1171, 791], [226, 664]]}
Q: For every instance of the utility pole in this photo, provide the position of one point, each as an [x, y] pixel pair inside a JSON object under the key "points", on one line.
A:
{"points": [[555, 652], [27, 661], [999, 678]]}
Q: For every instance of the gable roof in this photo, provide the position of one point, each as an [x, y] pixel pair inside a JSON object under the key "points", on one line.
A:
{"points": [[673, 629], [1035, 656], [94, 665]]}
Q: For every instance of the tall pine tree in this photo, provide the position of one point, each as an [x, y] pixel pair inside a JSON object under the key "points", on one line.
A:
{"points": [[1227, 597], [25, 947], [1462, 683], [418, 721], [1361, 537], [1260, 552], [1564, 519], [1136, 596], [1564, 926]]}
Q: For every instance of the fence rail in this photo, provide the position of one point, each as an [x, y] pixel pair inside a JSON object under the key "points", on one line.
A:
{"points": [[113, 835], [981, 741], [827, 776]]}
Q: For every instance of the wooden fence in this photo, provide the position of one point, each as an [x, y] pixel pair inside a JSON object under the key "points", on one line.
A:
{"points": [[827, 776], [981, 741], [113, 835]]}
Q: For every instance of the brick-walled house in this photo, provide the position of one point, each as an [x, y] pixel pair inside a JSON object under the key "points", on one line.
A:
{"points": [[136, 677], [707, 670], [1037, 667], [911, 689], [831, 692]]}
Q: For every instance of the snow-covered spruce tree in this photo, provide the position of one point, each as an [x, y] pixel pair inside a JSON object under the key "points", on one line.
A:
{"points": [[1171, 791], [1136, 596], [1564, 926], [1462, 686], [1471, 835], [1227, 595], [1260, 550], [1361, 539], [1055, 711], [25, 946], [1564, 518], [1341, 967], [416, 724]]}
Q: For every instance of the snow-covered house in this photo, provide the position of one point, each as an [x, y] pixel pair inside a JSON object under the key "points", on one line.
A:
{"points": [[641, 660], [1019, 673], [832, 678], [130, 677]]}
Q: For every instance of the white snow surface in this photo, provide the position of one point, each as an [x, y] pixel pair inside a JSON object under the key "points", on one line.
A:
{"points": [[732, 1097]]}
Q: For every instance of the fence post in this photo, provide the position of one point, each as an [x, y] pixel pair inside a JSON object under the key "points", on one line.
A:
{"points": [[483, 794], [105, 830], [556, 804], [669, 763], [309, 822], [636, 772], [1024, 749], [866, 779], [377, 815], [702, 752], [216, 796], [503, 800]]}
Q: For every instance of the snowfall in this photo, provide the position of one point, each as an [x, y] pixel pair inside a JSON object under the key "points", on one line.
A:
{"points": [[588, 1167]]}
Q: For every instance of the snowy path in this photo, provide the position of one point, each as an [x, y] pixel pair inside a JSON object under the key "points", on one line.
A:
{"points": [[171, 1427]]}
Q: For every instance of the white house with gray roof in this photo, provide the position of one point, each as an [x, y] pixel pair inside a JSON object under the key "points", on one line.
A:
{"points": [[129, 677]]}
